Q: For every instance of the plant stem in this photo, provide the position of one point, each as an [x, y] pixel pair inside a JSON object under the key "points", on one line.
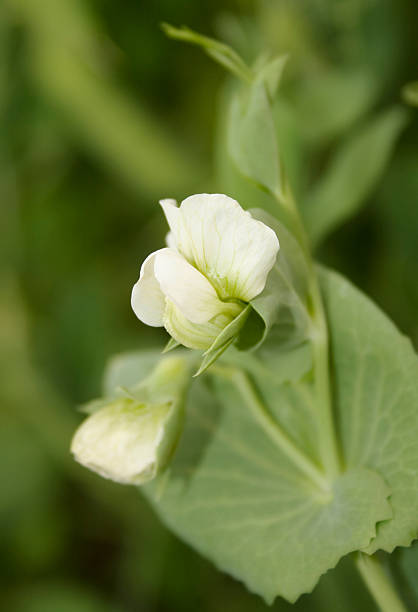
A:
{"points": [[328, 443], [378, 583], [272, 428]]}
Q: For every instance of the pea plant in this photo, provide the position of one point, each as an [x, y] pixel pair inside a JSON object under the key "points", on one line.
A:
{"points": [[280, 435]]}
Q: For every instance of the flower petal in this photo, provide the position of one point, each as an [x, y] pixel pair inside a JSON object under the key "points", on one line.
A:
{"points": [[172, 212], [193, 335], [187, 287], [171, 241], [121, 440], [233, 250], [147, 299]]}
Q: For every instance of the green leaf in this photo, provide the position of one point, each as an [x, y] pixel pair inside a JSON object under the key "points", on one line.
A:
{"points": [[352, 174], [220, 52], [271, 72], [228, 176], [234, 496], [252, 141], [376, 390], [277, 366]]}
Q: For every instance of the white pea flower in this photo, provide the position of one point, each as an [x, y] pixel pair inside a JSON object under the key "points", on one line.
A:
{"points": [[120, 441], [217, 260], [131, 439]]}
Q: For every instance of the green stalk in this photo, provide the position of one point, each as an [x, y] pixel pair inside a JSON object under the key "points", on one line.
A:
{"points": [[378, 583], [329, 448], [328, 443], [375, 578]]}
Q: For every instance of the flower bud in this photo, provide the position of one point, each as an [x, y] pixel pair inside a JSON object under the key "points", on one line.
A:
{"points": [[132, 438]]}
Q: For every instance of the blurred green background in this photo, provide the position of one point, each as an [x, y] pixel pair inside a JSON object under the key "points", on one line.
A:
{"points": [[101, 116]]}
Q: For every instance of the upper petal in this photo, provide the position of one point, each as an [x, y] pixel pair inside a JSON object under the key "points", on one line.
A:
{"points": [[147, 299], [233, 250], [190, 291], [172, 212]]}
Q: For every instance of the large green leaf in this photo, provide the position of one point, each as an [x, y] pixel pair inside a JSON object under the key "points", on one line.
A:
{"points": [[233, 494], [352, 174], [376, 390]]}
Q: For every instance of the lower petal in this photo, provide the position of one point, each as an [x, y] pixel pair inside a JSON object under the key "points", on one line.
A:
{"points": [[193, 335], [187, 287]]}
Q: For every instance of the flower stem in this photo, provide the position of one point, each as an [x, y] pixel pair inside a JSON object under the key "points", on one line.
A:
{"points": [[328, 443], [271, 426], [378, 583]]}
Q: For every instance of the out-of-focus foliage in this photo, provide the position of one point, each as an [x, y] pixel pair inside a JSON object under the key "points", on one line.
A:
{"points": [[410, 93], [100, 116]]}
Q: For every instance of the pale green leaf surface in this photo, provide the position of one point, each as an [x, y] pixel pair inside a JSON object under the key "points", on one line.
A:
{"points": [[352, 174], [128, 369], [252, 138], [376, 375], [232, 495], [277, 366], [271, 73], [229, 179]]}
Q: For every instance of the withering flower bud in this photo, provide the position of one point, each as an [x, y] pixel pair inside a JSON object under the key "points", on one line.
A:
{"points": [[131, 438]]}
